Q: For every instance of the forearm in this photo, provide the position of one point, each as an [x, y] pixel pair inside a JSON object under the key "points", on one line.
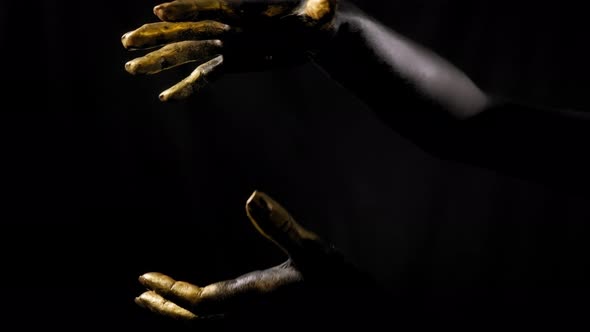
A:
{"points": [[396, 68], [417, 93], [422, 97]]}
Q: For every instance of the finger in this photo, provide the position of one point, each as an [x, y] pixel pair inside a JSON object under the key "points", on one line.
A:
{"points": [[221, 296], [276, 224], [183, 293], [154, 34], [173, 55], [191, 10], [157, 304], [194, 82], [224, 10]]}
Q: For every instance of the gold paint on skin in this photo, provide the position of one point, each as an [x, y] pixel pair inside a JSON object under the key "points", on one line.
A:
{"points": [[159, 33], [156, 281], [276, 223], [168, 297], [210, 291], [174, 55], [317, 9], [183, 10], [189, 21], [187, 291], [156, 303], [276, 10], [165, 286], [194, 82]]}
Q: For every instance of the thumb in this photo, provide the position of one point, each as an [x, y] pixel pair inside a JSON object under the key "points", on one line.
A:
{"points": [[275, 223]]}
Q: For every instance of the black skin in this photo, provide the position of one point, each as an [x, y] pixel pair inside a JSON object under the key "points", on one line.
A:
{"points": [[316, 284], [315, 287], [445, 114], [532, 142]]}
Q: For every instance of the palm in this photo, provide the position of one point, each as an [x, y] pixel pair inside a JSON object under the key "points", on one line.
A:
{"points": [[242, 34], [310, 263]]}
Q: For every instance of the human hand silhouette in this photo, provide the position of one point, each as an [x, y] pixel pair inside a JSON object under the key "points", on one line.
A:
{"points": [[314, 282], [238, 35]]}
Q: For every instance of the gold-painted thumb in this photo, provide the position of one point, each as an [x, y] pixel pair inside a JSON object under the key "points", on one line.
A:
{"points": [[275, 223]]}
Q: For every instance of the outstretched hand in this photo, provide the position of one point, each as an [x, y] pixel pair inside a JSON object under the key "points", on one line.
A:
{"points": [[236, 34], [315, 275]]}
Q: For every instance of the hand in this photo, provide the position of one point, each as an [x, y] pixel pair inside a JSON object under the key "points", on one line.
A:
{"points": [[236, 34], [314, 274]]}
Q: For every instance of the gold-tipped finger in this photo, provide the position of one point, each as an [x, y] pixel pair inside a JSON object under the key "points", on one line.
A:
{"points": [[194, 82], [157, 304], [173, 55], [188, 10], [181, 292], [275, 223], [160, 33]]}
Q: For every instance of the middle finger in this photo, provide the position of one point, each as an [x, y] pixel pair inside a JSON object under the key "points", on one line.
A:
{"points": [[173, 55]]}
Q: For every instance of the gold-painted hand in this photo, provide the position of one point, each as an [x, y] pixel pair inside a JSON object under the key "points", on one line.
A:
{"points": [[239, 35]]}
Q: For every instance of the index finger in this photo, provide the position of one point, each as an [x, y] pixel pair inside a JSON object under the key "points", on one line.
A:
{"points": [[193, 10], [160, 33]]}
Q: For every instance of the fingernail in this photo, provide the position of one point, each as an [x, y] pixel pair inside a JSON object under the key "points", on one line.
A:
{"points": [[159, 11], [258, 203], [139, 302], [124, 40], [142, 280], [130, 67], [268, 216], [149, 278], [260, 207]]}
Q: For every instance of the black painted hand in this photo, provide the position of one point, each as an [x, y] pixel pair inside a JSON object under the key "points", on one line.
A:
{"points": [[314, 282], [238, 35]]}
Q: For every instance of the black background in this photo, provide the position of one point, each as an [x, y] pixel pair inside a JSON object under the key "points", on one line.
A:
{"points": [[102, 182]]}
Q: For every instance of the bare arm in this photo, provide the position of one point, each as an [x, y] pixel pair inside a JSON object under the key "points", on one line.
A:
{"points": [[436, 106], [417, 93], [429, 76]]}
